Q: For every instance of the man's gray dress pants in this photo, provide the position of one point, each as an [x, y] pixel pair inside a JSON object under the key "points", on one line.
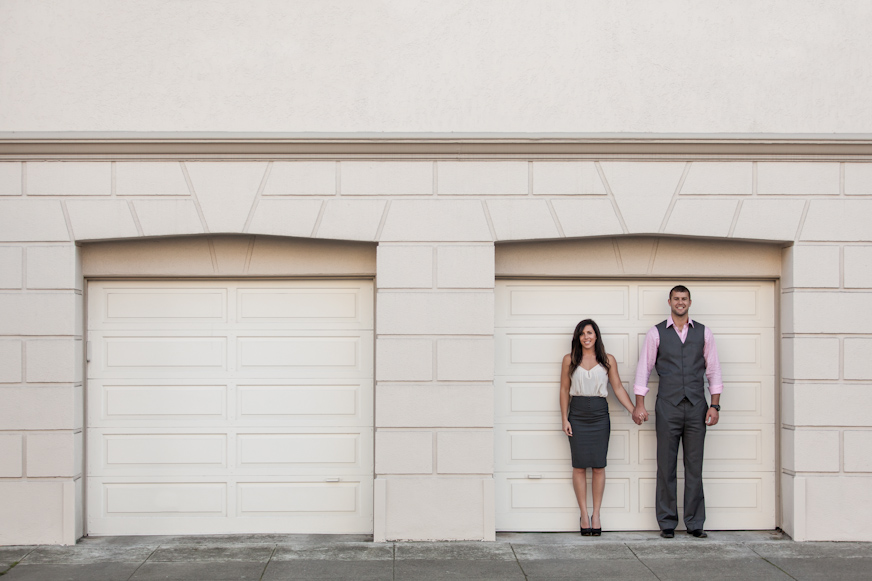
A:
{"points": [[683, 423]]}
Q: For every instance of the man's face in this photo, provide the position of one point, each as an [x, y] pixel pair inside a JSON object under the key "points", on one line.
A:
{"points": [[679, 303]]}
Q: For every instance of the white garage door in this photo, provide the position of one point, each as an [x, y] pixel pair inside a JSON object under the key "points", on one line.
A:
{"points": [[229, 407], [534, 323]]}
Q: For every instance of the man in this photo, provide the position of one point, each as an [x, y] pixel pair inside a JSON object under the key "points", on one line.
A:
{"points": [[682, 350]]}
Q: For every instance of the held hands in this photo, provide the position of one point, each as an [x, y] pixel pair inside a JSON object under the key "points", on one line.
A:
{"points": [[640, 414]]}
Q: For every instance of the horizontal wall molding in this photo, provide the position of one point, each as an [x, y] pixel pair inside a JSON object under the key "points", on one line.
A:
{"points": [[438, 146]]}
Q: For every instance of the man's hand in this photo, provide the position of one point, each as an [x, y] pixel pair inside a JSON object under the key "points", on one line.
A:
{"points": [[640, 414], [711, 417]]}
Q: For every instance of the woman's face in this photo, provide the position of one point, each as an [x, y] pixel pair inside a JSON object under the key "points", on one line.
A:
{"points": [[587, 337]]}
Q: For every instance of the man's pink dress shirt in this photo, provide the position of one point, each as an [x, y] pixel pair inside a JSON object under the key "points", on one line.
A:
{"points": [[649, 355]]}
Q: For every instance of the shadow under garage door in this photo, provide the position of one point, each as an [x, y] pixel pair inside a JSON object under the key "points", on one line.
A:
{"points": [[534, 325], [229, 407]]}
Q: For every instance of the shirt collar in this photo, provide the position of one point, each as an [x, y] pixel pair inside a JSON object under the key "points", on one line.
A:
{"points": [[671, 323]]}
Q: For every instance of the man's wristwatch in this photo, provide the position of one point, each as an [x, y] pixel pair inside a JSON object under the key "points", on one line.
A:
{"points": [[716, 406]]}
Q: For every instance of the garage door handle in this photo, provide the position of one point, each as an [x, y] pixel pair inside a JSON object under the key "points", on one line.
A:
{"points": [[331, 479], [534, 476]]}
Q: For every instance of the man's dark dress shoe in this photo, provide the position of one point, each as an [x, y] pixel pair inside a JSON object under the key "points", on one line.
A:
{"points": [[698, 533], [667, 533]]}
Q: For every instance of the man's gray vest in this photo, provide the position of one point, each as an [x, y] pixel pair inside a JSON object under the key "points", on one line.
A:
{"points": [[681, 366]]}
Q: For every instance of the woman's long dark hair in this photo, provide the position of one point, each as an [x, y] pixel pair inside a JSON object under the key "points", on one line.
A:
{"points": [[599, 348]]}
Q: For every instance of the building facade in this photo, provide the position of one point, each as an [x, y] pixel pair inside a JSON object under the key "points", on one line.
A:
{"points": [[305, 331]]}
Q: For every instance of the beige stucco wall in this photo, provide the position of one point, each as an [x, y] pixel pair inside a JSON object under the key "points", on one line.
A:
{"points": [[444, 228], [676, 66]]}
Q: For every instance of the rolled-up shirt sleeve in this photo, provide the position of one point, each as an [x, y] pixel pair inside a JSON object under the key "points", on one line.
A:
{"points": [[712, 363], [647, 358]]}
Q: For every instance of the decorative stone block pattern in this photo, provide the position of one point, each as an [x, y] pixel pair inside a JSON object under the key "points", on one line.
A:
{"points": [[522, 219], [53, 361], [11, 455], [10, 178], [695, 217], [858, 266], [465, 359], [858, 358], [483, 178], [858, 179], [822, 404], [462, 406], [857, 446], [567, 178], [11, 267], [157, 178], [833, 510], [429, 508], [301, 178], [643, 191], [465, 266], [53, 267], [436, 220], [404, 359], [97, 220], [402, 266], [168, 217], [386, 178], [798, 178], [30, 513], [285, 217], [726, 178], [811, 450], [838, 220], [41, 408], [53, 454], [10, 361], [69, 178], [29, 220], [768, 219], [226, 191], [403, 452], [38, 314], [465, 452], [813, 267], [810, 358], [814, 312], [587, 217], [351, 219], [435, 313]]}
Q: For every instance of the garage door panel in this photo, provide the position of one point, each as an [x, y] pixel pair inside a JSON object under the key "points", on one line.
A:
{"points": [[258, 401], [721, 304], [300, 305], [277, 499], [536, 402], [325, 450], [145, 353], [194, 451], [177, 305], [558, 303], [268, 507], [213, 405], [114, 402], [339, 352], [539, 449]]}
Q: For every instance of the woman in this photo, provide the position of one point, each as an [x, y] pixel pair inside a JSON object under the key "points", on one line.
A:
{"points": [[587, 371]]}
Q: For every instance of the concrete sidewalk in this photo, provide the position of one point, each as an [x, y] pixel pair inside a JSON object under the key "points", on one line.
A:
{"points": [[514, 556]]}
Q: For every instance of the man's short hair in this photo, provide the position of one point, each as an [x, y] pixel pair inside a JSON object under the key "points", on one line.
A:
{"points": [[680, 288]]}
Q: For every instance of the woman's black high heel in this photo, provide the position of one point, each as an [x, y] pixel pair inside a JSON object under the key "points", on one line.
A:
{"points": [[595, 532], [584, 532]]}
